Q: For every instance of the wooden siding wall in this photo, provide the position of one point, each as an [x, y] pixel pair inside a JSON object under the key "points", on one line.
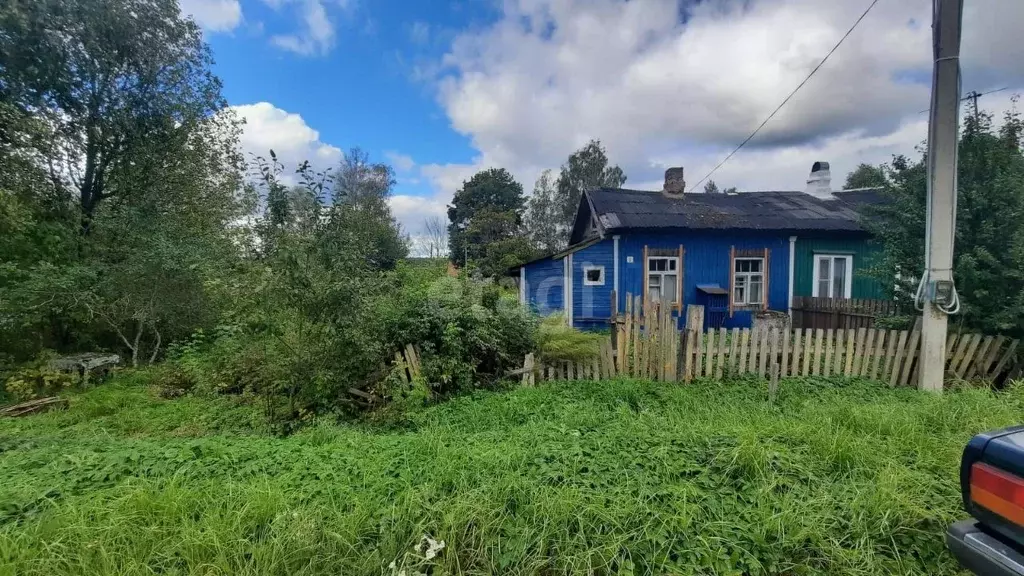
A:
{"points": [[864, 286], [706, 261], [592, 305], [545, 282]]}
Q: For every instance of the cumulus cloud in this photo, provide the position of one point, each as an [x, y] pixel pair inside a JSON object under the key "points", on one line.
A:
{"points": [[667, 83], [412, 212], [268, 127], [214, 15], [401, 162], [316, 35]]}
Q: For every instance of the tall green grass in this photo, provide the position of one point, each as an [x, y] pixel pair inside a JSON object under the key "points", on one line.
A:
{"points": [[623, 477]]}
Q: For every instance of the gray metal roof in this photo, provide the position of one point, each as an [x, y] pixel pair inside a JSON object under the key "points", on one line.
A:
{"points": [[774, 210]]}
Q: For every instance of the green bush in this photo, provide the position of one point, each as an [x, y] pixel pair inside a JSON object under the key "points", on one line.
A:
{"points": [[37, 380], [467, 332], [894, 322], [559, 342]]}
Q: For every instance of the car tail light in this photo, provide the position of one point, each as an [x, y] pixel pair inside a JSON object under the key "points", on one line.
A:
{"points": [[997, 491]]}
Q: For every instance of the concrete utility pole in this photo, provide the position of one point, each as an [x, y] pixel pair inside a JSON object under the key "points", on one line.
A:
{"points": [[937, 294]]}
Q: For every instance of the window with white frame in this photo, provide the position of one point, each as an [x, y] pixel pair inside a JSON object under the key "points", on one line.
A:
{"points": [[748, 282], [593, 275], [662, 278], [833, 275]]}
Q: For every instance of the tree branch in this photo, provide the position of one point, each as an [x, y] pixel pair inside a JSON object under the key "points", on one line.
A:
{"points": [[156, 349]]}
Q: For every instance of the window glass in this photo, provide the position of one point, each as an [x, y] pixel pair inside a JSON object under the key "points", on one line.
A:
{"points": [[839, 283], [654, 287], [668, 290], [662, 278], [748, 282], [755, 292], [832, 279]]}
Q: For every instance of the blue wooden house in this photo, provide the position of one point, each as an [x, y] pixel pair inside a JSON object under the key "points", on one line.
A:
{"points": [[736, 254]]}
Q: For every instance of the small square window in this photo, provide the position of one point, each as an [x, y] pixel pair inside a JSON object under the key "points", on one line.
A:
{"points": [[593, 275]]}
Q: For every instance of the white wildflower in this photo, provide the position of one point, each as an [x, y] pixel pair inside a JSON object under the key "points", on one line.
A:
{"points": [[430, 548]]}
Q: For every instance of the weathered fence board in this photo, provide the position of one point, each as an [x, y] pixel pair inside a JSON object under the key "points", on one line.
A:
{"points": [[839, 313], [646, 343]]}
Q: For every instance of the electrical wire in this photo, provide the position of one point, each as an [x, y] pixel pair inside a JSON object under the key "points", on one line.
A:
{"points": [[972, 95], [791, 94]]}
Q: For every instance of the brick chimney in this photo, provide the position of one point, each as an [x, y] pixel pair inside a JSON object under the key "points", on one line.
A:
{"points": [[819, 182], [675, 186]]}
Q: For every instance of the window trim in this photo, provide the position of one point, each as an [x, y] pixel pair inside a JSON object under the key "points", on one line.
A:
{"points": [[818, 256], [735, 275], [589, 267], [677, 273]]}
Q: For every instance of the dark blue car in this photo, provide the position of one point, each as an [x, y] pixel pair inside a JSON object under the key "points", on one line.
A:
{"points": [[992, 483]]}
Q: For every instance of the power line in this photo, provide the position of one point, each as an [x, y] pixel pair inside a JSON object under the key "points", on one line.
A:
{"points": [[973, 95], [791, 94]]}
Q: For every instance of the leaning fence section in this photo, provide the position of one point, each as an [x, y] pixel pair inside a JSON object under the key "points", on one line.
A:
{"points": [[645, 343]]}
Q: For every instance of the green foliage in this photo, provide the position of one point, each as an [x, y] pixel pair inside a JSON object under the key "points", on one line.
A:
{"points": [[361, 190], [486, 211], [558, 342], [544, 216], [838, 477], [119, 175], [552, 208], [119, 85], [895, 322], [467, 332], [586, 168], [989, 251], [711, 188], [865, 176], [37, 380]]}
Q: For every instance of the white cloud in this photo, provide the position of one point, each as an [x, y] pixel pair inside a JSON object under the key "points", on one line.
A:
{"points": [[317, 35], [268, 127], [660, 89], [214, 15], [401, 162]]}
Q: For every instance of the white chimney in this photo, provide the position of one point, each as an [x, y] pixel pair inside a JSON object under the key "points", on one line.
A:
{"points": [[819, 183]]}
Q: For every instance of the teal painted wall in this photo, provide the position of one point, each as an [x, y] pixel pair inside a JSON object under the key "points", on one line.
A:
{"points": [[864, 286]]}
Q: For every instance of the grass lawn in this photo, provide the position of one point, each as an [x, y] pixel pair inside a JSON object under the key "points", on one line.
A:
{"points": [[627, 478]]}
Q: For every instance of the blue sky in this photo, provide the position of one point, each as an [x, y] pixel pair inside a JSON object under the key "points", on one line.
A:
{"points": [[442, 88], [364, 87]]}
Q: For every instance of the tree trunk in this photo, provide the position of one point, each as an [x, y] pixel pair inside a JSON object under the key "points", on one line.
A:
{"points": [[156, 348], [140, 327]]}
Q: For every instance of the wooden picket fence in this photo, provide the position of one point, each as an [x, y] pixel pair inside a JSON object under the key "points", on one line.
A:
{"points": [[839, 313], [646, 344]]}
